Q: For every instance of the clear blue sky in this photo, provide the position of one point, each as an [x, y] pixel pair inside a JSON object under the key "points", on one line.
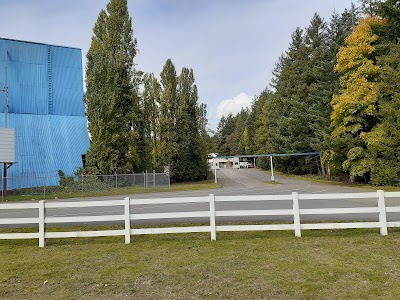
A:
{"points": [[232, 45]]}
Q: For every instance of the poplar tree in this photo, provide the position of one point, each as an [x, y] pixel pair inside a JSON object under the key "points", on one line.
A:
{"points": [[182, 125], [111, 98], [189, 159], [207, 144], [198, 123], [151, 98], [168, 108], [180, 163]]}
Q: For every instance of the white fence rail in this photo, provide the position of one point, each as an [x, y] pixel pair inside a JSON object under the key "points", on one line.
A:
{"points": [[212, 214]]}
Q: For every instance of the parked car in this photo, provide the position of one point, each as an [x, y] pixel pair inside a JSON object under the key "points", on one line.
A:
{"points": [[244, 164], [212, 155]]}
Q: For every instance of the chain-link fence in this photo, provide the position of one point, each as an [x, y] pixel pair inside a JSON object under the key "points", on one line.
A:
{"points": [[81, 185]]}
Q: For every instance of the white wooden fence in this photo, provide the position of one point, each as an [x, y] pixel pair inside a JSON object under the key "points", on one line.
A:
{"points": [[129, 205]]}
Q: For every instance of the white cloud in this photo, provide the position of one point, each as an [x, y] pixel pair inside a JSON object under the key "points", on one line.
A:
{"points": [[233, 105]]}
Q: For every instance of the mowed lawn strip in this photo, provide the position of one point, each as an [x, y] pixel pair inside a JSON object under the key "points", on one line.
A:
{"points": [[333, 181], [324, 264], [187, 186]]}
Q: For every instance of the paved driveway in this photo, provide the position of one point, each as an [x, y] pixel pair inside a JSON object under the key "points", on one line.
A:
{"points": [[235, 182]]}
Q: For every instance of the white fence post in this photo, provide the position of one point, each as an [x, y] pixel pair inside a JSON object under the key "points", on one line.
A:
{"points": [[127, 220], [42, 216], [296, 214], [213, 230], [382, 212]]}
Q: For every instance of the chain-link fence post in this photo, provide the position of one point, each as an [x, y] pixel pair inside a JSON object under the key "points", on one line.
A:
{"points": [[56, 186], [116, 183]]}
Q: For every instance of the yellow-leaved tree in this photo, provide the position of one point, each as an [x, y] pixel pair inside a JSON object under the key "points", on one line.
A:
{"points": [[355, 108]]}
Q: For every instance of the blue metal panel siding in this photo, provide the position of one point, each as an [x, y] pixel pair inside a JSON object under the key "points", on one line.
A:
{"points": [[23, 52], [27, 88], [68, 91], [66, 57], [42, 79], [45, 108], [67, 81], [45, 144], [26, 76]]}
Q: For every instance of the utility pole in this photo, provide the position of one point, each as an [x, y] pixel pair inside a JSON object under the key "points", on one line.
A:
{"points": [[5, 90]]}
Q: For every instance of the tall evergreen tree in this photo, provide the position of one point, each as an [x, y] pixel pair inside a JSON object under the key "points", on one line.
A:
{"points": [[340, 27], [389, 32], [180, 163], [290, 107], [151, 97], [369, 7], [321, 81], [197, 119], [239, 145], [383, 141], [168, 110], [291, 90], [226, 127], [182, 125], [253, 124], [296, 117], [207, 139], [111, 98]]}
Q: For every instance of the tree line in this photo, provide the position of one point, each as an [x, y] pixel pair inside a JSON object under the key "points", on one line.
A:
{"points": [[335, 90], [136, 121]]}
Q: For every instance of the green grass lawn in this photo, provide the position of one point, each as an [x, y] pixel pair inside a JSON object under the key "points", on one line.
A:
{"points": [[343, 264], [200, 185], [326, 180]]}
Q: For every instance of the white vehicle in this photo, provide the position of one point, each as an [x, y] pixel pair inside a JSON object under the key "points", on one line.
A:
{"points": [[244, 164], [212, 155]]}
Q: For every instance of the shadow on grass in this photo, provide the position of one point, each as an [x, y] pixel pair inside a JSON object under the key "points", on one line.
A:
{"points": [[187, 238]]}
